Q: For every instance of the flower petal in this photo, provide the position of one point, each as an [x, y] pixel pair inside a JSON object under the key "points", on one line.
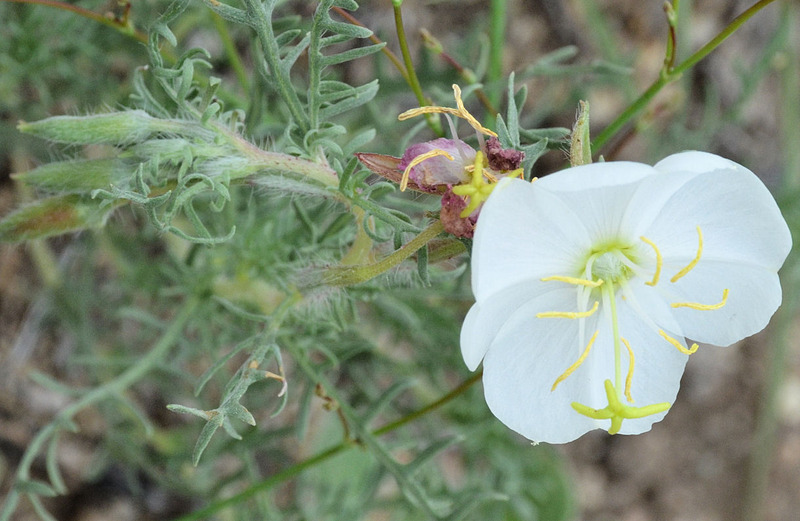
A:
{"points": [[485, 318], [657, 370], [523, 233], [599, 193], [739, 218], [525, 359], [754, 295]]}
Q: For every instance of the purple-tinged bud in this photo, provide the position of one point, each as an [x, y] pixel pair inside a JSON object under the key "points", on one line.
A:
{"points": [[439, 170]]}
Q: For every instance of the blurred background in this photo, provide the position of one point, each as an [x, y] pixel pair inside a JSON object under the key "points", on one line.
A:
{"points": [[730, 447]]}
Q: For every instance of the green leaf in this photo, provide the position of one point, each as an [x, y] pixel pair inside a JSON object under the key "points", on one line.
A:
{"points": [[205, 437]]}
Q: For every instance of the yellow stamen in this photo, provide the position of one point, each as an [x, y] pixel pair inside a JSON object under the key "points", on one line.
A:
{"points": [[469, 117], [571, 369], [419, 159], [569, 314], [429, 109], [490, 177], [518, 173], [703, 307], [677, 344], [575, 280], [629, 378], [460, 112], [696, 259], [659, 261]]}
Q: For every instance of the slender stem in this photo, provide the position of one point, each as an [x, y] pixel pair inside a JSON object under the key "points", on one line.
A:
{"points": [[668, 76], [413, 81], [462, 387], [326, 454], [261, 14], [349, 275], [497, 40], [115, 387]]}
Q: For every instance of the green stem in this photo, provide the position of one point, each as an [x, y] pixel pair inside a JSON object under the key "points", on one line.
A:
{"points": [[261, 14], [349, 275], [326, 454], [413, 81], [668, 76], [115, 387], [497, 40]]}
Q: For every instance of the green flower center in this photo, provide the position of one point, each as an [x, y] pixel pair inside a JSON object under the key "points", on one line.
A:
{"points": [[612, 263]]}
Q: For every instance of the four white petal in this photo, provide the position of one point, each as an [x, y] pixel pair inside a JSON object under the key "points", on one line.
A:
{"points": [[695, 230]]}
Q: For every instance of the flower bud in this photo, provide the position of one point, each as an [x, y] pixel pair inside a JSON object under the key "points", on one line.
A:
{"points": [[580, 150], [53, 216], [77, 176], [115, 128]]}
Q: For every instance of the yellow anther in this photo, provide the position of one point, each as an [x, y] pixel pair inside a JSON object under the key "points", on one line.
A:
{"points": [[659, 260], [569, 314], [469, 117], [571, 369], [576, 281], [677, 344], [629, 378], [428, 109], [460, 112], [696, 259], [518, 173], [703, 307], [419, 159]]}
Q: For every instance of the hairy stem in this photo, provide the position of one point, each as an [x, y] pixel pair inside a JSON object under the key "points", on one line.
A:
{"points": [[349, 275]]}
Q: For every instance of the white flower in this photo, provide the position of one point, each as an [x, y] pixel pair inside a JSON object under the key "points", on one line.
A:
{"points": [[587, 281]]}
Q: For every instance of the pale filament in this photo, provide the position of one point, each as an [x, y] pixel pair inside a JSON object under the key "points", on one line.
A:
{"points": [[574, 280]]}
